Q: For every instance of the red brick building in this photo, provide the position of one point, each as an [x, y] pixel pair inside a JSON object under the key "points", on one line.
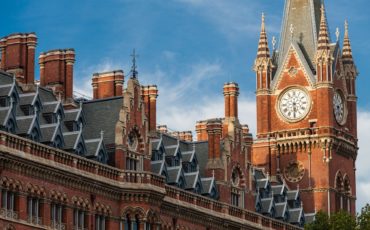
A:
{"points": [[73, 163]]}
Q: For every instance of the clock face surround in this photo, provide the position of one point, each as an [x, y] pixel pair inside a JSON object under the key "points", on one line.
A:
{"points": [[294, 104], [339, 108]]}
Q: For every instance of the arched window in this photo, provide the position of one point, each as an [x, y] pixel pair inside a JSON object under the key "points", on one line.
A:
{"points": [[10, 127], [198, 189], [339, 191], [346, 194], [80, 149], [35, 136], [101, 157], [58, 142], [181, 183]]}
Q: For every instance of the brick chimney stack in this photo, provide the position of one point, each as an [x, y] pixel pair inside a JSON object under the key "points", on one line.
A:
{"points": [[231, 93], [56, 72], [201, 129], [150, 94], [188, 136], [18, 56], [214, 131], [107, 84]]}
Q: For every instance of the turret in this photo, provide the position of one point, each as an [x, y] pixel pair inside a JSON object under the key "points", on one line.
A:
{"points": [[263, 64], [323, 55], [263, 67], [350, 71]]}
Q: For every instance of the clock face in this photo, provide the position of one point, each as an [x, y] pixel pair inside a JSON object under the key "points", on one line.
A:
{"points": [[338, 106], [294, 104]]}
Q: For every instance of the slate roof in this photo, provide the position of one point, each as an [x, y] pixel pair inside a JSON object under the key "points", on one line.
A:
{"points": [[295, 215], [207, 184], [310, 217], [174, 174], [201, 151], [25, 123], [306, 21], [258, 174], [278, 189], [262, 183], [267, 204], [5, 90], [46, 95], [48, 132], [281, 209], [102, 115], [92, 146], [157, 166], [71, 139], [191, 179], [188, 156], [4, 115], [27, 98], [292, 195], [51, 107]]}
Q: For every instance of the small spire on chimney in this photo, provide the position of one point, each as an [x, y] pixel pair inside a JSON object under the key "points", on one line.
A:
{"points": [[134, 73], [58, 119], [101, 134]]}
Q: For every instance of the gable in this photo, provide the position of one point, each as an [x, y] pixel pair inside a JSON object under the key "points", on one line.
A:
{"points": [[294, 70]]}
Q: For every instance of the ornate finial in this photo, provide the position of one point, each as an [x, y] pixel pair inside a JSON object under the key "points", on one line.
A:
{"points": [[11, 102], [347, 50], [193, 146], [323, 39], [297, 186], [80, 103], [346, 28], [58, 119], [101, 134], [337, 33], [213, 173], [273, 42], [59, 97], [291, 31], [263, 49], [134, 73]]}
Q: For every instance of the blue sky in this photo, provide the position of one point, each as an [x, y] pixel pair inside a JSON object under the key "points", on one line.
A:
{"points": [[189, 48]]}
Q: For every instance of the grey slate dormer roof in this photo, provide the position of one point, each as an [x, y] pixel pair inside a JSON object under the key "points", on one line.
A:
{"points": [[281, 210]]}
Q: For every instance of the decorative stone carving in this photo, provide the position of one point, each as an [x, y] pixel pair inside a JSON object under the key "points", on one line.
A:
{"points": [[294, 171]]}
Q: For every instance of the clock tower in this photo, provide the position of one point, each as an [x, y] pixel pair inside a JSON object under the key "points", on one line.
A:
{"points": [[306, 109]]}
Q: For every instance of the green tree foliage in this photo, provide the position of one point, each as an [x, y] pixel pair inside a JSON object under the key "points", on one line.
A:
{"points": [[363, 219], [341, 221], [321, 222]]}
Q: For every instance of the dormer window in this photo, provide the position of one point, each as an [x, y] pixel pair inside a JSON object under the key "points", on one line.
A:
{"points": [[50, 118], [27, 110], [3, 101]]}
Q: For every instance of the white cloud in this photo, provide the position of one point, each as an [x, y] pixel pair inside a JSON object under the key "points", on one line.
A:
{"points": [[83, 85], [363, 159], [183, 117]]}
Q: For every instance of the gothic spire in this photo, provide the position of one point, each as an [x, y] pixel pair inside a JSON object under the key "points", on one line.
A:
{"points": [[347, 50], [263, 48], [304, 17], [323, 41]]}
